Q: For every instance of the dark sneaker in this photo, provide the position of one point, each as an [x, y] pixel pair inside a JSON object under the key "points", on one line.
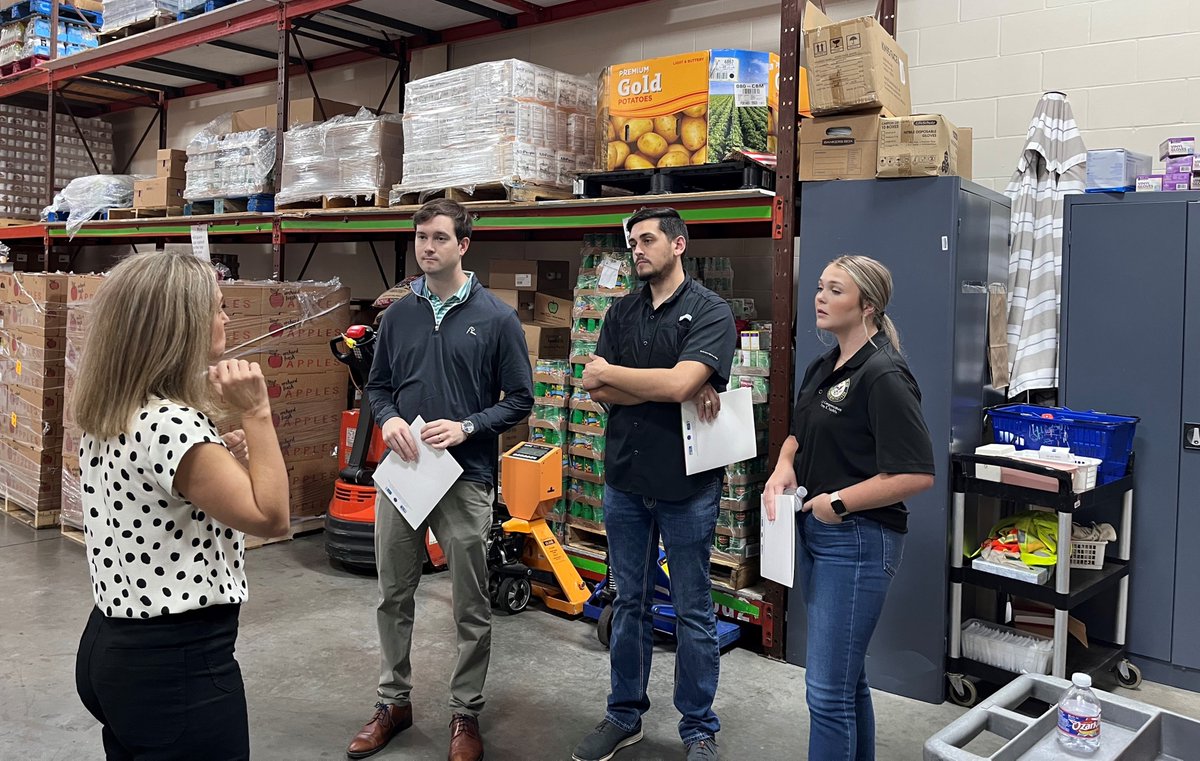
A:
{"points": [[704, 749], [604, 742]]}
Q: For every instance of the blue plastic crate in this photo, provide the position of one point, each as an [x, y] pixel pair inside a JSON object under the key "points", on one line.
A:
{"points": [[1108, 438]]}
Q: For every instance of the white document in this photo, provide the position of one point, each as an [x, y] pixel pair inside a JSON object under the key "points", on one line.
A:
{"points": [[200, 243], [778, 538], [728, 439], [415, 488]]}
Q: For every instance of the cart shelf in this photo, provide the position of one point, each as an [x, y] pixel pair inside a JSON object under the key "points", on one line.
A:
{"points": [[1085, 584]]}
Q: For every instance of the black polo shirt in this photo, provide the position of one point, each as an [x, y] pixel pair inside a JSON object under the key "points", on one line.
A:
{"points": [[644, 453], [858, 421]]}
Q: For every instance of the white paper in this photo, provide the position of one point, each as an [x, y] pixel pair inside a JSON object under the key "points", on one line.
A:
{"points": [[200, 242], [724, 441], [777, 538], [415, 488], [610, 272]]}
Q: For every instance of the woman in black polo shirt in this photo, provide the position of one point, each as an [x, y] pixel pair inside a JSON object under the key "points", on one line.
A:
{"points": [[860, 447]]}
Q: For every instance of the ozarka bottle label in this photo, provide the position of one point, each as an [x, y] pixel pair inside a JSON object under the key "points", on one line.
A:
{"points": [[1078, 726]]}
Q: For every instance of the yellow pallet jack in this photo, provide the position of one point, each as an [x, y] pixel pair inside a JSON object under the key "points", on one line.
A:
{"points": [[532, 477]]}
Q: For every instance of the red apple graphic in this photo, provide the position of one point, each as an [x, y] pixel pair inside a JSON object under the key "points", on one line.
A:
{"points": [[275, 419], [54, 285], [276, 299], [274, 390], [275, 361], [276, 329]]}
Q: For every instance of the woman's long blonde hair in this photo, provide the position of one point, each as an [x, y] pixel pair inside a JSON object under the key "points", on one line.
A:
{"points": [[874, 282], [149, 335]]}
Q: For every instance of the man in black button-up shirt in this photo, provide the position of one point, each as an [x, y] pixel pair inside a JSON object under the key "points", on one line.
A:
{"points": [[670, 343]]}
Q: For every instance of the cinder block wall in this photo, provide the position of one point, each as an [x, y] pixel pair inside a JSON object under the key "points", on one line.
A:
{"points": [[1130, 69]]}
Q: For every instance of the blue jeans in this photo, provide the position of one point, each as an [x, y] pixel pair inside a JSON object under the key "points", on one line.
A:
{"points": [[633, 524], [845, 570]]}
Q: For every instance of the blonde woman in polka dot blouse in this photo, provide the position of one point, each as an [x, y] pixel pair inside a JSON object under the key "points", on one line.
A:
{"points": [[166, 500]]}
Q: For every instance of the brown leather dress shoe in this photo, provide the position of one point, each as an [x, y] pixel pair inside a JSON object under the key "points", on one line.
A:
{"points": [[465, 742], [388, 721]]}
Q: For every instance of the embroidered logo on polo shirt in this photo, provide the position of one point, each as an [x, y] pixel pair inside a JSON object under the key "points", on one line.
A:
{"points": [[838, 392]]}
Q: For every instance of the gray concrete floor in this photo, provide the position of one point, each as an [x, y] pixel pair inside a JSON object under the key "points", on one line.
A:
{"points": [[308, 652]]}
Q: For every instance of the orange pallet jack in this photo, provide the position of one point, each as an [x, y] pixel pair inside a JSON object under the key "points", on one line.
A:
{"points": [[350, 519], [532, 477]]}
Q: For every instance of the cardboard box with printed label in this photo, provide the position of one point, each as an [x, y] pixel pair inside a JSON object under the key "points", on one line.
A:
{"points": [[691, 108], [966, 152], [854, 65], [924, 145], [158, 192], [290, 417], [547, 342], [35, 321], [36, 288], [308, 387], [310, 484], [514, 436], [279, 361], [81, 288], [840, 147], [281, 331], [521, 301], [555, 312], [550, 277], [171, 163], [257, 299]]}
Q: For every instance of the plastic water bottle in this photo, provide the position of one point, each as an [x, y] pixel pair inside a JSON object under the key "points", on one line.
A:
{"points": [[1079, 717]]}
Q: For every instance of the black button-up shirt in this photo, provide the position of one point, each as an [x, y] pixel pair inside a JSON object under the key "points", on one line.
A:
{"points": [[858, 421], [644, 453]]}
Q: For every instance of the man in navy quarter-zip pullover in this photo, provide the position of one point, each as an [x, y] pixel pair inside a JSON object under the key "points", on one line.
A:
{"points": [[445, 354]]}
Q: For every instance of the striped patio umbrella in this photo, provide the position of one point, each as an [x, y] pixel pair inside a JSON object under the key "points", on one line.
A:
{"points": [[1052, 165]]}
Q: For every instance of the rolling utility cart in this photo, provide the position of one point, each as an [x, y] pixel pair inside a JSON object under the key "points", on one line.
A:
{"points": [[1071, 585], [1129, 730]]}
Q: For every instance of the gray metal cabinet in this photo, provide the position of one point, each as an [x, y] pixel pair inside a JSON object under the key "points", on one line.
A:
{"points": [[1130, 344], [942, 238]]}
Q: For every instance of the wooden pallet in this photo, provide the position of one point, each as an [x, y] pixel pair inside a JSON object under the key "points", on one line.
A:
{"points": [[587, 537], [300, 527], [733, 575], [72, 534], [376, 200], [146, 212], [489, 192], [32, 517], [10, 222], [159, 19]]}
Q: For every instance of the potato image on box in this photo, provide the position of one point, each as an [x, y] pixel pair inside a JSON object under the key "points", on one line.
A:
{"points": [[687, 109]]}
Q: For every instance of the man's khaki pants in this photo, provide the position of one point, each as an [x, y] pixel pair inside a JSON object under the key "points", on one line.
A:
{"points": [[460, 522]]}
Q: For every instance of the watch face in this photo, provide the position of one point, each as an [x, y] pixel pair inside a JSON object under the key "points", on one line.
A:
{"points": [[468, 427]]}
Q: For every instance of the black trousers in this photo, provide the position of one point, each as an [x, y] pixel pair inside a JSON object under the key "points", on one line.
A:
{"points": [[165, 688]]}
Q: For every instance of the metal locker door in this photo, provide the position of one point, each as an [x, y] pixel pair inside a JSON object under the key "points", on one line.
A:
{"points": [[1121, 352], [1185, 645]]}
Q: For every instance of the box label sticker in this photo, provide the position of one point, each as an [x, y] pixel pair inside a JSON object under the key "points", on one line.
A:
{"points": [[200, 242], [749, 94], [723, 69], [18, 367], [610, 271], [523, 281]]}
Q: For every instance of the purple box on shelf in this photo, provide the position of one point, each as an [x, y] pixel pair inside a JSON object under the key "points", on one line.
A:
{"points": [[1149, 183], [1174, 147], [1182, 165], [1173, 186], [1174, 177]]}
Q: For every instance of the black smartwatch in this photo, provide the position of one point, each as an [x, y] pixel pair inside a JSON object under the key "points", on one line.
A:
{"points": [[839, 507]]}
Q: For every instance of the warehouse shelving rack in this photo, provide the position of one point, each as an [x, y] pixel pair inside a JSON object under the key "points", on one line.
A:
{"points": [[153, 68]]}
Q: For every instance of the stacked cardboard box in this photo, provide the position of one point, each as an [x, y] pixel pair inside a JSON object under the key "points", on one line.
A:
{"points": [[346, 156], [33, 347], [81, 289], [863, 125], [166, 189], [286, 328]]}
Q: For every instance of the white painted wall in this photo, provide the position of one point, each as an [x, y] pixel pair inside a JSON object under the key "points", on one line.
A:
{"points": [[1130, 69]]}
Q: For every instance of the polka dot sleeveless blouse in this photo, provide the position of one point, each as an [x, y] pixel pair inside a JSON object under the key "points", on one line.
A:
{"points": [[151, 551]]}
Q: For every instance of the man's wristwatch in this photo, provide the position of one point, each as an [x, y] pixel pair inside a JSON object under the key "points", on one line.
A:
{"points": [[839, 507], [468, 427]]}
